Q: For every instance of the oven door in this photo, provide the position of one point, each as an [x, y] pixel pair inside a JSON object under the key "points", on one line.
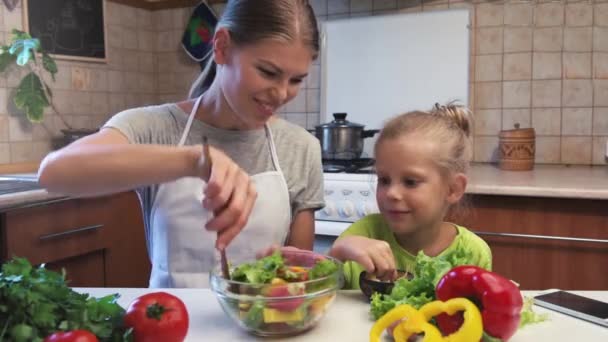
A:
{"points": [[326, 233]]}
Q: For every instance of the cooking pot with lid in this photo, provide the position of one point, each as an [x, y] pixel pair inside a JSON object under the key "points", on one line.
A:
{"points": [[342, 139]]}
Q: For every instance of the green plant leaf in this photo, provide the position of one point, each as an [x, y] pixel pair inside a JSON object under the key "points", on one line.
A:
{"points": [[19, 35], [49, 64], [30, 97], [6, 58]]}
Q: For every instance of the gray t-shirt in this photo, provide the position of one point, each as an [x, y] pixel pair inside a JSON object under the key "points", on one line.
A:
{"points": [[298, 151]]}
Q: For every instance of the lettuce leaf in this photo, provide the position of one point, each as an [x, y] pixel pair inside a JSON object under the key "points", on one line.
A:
{"points": [[421, 288]]}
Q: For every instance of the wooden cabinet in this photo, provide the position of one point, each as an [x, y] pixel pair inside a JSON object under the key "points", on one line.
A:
{"points": [[544, 242], [100, 242]]}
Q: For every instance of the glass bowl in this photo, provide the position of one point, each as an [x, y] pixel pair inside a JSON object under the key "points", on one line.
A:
{"points": [[276, 308]]}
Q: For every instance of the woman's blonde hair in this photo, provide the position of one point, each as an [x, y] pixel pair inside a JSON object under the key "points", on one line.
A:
{"points": [[449, 125], [250, 21]]}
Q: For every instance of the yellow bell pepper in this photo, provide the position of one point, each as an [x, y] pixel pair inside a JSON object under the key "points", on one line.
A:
{"points": [[414, 321]]}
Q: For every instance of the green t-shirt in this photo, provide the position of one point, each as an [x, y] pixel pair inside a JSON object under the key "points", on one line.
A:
{"points": [[375, 227]]}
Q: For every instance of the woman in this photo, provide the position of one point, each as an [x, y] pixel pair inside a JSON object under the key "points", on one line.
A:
{"points": [[266, 177]]}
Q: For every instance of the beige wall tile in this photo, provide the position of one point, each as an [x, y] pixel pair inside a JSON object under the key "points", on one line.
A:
{"points": [[313, 80], [517, 13], [113, 10], [115, 81], [485, 149], [547, 65], [600, 93], [146, 40], [312, 119], [13, 19], [516, 94], [600, 14], [578, 39], [488, 121], [549, 14], [579, 14], [147, 62], [434, 7], [5, 154], [513, 117], [517, 39], [313, 100], [577, 65], [4, 135], [548, 39], [548, 150], [489, 40], [4, 101], [546, 93], [599, 150], [600, 39], [576, 121], [128, 17], [298, 104], [488, 68], [145, 19], [600, 121], [546, 121], [411, 6], [19, 128], [576, 150], [577, 93], [517, 66], [117, 102], [319, 6], [22, 152], [361, 5], [488, 95], [600, 65], [296, 118], [489, 14], [81, 103], [129, 39], [384, 5], [114, 36]]}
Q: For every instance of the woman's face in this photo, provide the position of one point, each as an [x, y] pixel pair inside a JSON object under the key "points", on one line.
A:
{"points": [[258, 79]]}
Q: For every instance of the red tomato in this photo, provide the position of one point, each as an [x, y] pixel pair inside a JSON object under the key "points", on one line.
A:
{"points": [[285, 291], [157, 317], [72, 336]]}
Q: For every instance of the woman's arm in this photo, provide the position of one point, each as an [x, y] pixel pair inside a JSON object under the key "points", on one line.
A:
{"points": [[302, 231], [105, 163]]}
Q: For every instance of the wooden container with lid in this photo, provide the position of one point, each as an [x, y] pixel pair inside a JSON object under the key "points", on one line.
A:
{"points": [[516, 148]]}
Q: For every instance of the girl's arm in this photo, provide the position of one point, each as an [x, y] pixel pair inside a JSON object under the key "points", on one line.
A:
{"points": [[302, 231]]}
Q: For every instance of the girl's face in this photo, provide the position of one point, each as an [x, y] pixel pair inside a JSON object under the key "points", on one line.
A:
{"points": [[259, 78], [412, 194]]}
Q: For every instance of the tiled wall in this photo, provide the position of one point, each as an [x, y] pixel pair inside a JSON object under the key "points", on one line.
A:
{"points": [[542, 64]]}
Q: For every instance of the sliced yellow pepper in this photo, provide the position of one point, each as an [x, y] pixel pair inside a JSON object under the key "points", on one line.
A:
{"points": [[414, 321]]}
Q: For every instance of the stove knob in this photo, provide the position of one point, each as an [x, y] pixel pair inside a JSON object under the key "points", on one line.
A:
{"points": [[329, 209], [366, 208], [347, 209]]}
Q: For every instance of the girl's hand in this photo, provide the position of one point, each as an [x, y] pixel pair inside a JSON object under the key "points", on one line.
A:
{"points": [[230, 195], [374, 255]]}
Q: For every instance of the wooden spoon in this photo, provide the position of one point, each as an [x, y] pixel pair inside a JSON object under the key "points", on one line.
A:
{"points": [[207, 155]]}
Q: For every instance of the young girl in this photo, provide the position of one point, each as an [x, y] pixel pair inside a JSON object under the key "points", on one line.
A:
{"points": [[421, 164]]}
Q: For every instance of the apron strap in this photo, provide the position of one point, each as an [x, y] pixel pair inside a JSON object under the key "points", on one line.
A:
{"points": [[273, 150], [182, 140]]}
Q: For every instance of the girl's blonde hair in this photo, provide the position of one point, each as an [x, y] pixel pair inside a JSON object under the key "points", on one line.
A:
{"points": [[449, 125], [250, 21]]}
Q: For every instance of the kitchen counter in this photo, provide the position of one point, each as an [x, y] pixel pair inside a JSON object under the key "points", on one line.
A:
{"points": [[346, 320], [31, 193], [586, 182]]}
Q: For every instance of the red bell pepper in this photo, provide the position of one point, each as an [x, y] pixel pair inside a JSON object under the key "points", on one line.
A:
{"points": [[498, 299]]}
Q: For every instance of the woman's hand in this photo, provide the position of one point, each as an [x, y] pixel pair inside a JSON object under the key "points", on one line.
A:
{"points": [[230, 195], [374, 255]]}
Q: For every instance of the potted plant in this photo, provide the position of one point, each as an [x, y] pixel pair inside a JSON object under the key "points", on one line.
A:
{"points": [[33, 94]]}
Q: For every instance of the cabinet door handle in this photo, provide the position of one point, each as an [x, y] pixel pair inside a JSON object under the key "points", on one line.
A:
{"points": [[544, 237], [70, 232]]}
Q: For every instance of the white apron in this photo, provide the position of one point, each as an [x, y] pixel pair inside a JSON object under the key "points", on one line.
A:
{"points": [[183, 251]]}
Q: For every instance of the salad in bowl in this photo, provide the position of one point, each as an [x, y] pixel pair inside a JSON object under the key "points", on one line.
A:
{"points": [[282, 294]]}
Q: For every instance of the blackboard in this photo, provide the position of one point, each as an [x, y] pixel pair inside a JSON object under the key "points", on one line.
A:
{"points": [[70, 29]]}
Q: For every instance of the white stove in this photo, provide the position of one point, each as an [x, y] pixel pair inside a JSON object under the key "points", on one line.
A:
{"points": [[348, 198]]}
